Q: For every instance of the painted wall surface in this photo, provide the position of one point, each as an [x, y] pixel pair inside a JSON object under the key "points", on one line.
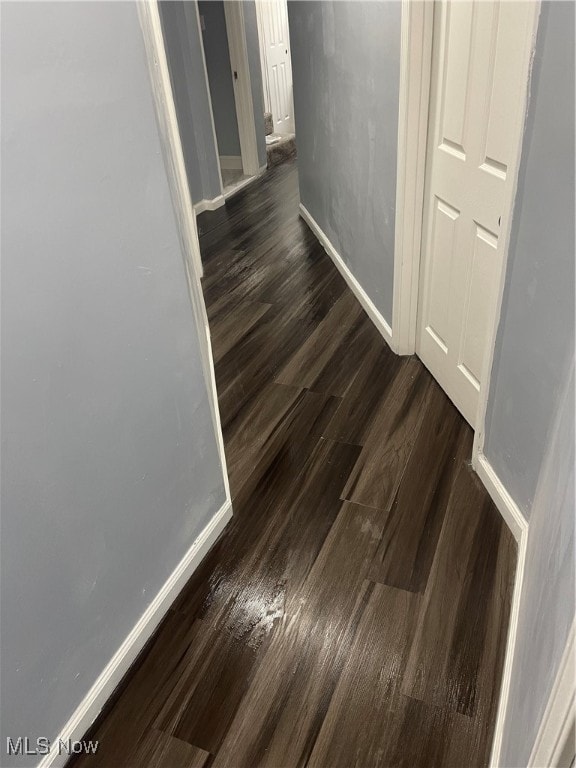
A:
{"points": [[346, 71], [548, 595], [186, 61], [217, 57], [530, 435], [537, 320], [110, 466], [255, 66]]}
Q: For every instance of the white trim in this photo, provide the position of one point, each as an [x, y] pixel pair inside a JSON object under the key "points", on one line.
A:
{"points": [[125, 656], [231, 162], [510, 651], [518, 525], [163, 96], [236, 31], [480, 431], [169, 131], [353, 284], [507, 507], [209, 205], [554, 745], [263, 59], [415, 72]]}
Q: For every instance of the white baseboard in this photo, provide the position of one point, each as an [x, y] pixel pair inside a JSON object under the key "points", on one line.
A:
{"points": [[231, 162], [124, 657], [510, 650], [554, 745], [518, 526], [209, 205], [507, 507], [366, 302]]}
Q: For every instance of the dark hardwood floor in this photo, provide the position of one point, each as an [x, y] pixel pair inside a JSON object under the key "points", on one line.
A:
{"points": [[355, 610]]}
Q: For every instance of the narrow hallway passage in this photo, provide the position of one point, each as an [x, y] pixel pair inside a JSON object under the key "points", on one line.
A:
{"points": [[355, 610]]}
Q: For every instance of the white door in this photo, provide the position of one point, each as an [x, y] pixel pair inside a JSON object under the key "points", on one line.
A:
{"points": [[479, 77], [276, 64]]}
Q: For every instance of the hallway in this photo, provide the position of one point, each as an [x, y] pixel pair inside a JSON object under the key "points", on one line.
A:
{"points": [[355, 610]]}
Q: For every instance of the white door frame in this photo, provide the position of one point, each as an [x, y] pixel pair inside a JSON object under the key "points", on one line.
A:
{"points": [[165, 108], [263, 61], [236, 31], [415, 72]]}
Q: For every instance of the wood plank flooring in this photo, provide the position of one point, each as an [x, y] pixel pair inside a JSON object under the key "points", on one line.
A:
{"points": [[355, 610]]}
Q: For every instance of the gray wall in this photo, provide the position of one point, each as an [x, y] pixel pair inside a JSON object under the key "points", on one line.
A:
{"points": [[530, 426], [185, 58], [110, 467], [537, 320], [220, 76], [548, 596], [346, 70]]}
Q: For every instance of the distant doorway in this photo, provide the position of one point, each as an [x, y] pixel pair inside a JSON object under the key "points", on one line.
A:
{"points": [[227, 71], [274, 39], [276, 63]]}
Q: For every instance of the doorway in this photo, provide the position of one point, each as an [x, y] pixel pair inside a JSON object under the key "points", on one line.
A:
{"points": [[478, 85], [275, 58], [229, 86]]}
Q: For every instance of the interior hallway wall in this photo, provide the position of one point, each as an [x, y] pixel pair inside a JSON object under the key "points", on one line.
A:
{"points": [[548, 593], [217, 57], [530, 419], [110, 467], [186, 62], [346, 73], [537, 319]]}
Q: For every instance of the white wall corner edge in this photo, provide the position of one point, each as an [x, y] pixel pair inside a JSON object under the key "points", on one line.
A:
{"points": [[366, 302], [92, 704]]}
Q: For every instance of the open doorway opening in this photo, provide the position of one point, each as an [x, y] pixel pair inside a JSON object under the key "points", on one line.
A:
{"points": [[228, 76], [275, 59], [221, 86]]}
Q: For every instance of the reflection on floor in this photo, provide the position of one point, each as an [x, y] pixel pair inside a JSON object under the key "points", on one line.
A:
{"points": [[355, 610]]}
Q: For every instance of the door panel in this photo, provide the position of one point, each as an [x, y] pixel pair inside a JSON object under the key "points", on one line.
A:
{"points": [[479, 78], [455, 84]]}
